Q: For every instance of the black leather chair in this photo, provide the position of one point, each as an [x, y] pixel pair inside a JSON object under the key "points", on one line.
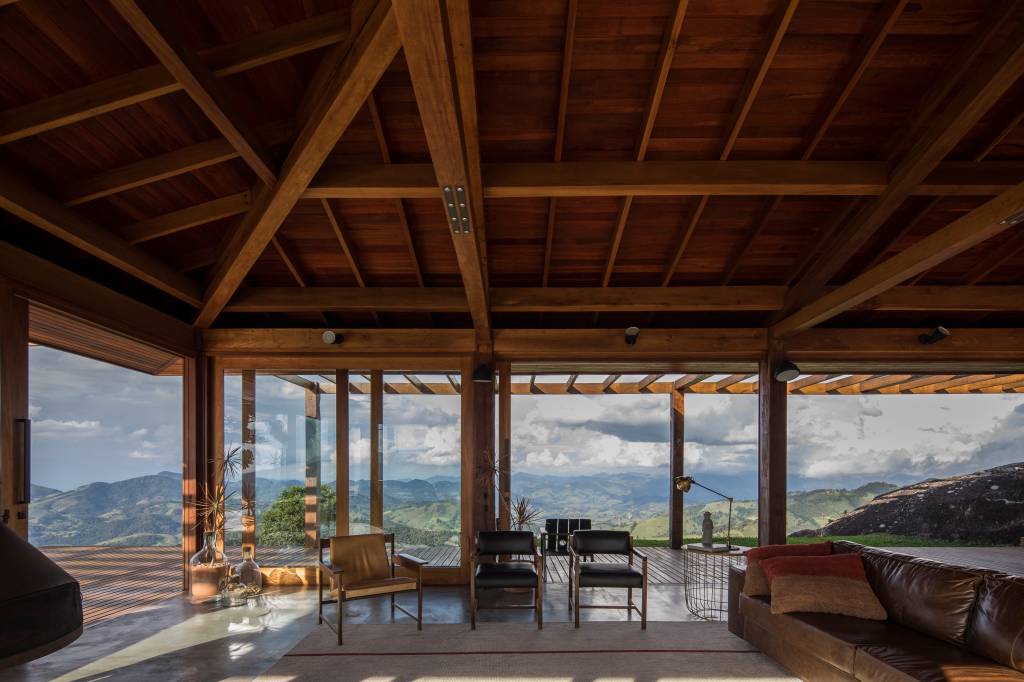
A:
{"points": [[602, 574], [554, 539], [510, 573]]}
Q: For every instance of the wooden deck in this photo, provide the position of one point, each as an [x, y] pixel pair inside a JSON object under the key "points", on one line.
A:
{"points": [[120, 580]]}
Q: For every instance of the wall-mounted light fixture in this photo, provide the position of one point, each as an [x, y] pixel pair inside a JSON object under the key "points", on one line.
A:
{"points": [[631, 335], [786, 371], [332, 338], [934, 336], [483, 374]]}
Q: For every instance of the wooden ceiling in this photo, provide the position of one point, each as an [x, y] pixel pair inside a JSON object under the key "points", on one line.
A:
{"points": [[664, 163]]}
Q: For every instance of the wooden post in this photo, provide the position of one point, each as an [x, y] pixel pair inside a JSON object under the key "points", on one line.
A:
{"points": [[312, 502], [676, 468], [376, 450], [13, 410], [249, 460], [771, 451], [195, 386], [504, 445], [341, 464], [215, 393]]}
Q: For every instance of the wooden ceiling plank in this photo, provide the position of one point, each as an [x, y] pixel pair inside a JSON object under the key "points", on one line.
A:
{"points": [[895, 235], [155, 81], [439, 55], [403, 218], [977, 226], [176, 221], [563, 106], [657, 91], [751, 87], [158, 31], [984, 87], [32, 206], [354, 75], [733, 263], [995, 260]]}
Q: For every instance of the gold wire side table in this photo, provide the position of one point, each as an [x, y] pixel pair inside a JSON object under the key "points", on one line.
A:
{"points": [[706, 581]]}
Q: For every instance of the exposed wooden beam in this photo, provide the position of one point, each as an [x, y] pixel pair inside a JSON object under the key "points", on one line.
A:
{"points": [[973, 99], [155, 81], [907, 386], [403, 217], [186, 218], [835, 386], [300, 381], [657, 90], [353, 75], [563, 107], [688, 380], [415, 381], [612, 299], [642, 385], [664, 178], [748, 93], [730, 380], [977, 226], [609, 381], [437, 45], [31, 205], [807, 381], [894, 236], [901, 347], [571, 382], [158, 32]]}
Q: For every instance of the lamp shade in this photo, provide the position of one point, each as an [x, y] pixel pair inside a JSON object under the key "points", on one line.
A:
{"points": [[786, 371], [483, 375]]}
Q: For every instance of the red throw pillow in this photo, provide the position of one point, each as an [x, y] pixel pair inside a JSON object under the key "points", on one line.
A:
{"points": [[822, 584], [755, 584]]}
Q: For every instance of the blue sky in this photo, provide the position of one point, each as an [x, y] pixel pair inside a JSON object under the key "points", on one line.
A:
{"points": [[96, 422]]}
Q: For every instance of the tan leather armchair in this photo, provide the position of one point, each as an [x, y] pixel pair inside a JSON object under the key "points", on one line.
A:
{"points": [[359, 567]]}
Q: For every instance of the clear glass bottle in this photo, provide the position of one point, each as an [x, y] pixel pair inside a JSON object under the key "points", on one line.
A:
{"points": [[248, 571], [207, 570]]}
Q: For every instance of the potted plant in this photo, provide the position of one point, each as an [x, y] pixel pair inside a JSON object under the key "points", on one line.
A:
{"points": [[207, 567]]}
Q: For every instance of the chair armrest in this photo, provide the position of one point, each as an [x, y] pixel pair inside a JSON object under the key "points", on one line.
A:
{"points": [[641, 555], [410, 561], [334, 570], [572, 552]]}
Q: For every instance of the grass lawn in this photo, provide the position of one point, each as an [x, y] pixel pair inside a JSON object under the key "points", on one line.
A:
{"points": [[871, 540]]}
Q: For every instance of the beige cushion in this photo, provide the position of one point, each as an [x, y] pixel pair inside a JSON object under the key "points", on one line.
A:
{"points": [[368, 588]]}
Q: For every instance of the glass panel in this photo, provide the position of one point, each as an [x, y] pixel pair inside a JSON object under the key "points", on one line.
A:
{"points": [[422, 468], [359, 457], [232, 469], [328, 460]]}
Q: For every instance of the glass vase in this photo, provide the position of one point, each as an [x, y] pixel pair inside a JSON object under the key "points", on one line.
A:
{"points": [[248, 572], [207, 570]]}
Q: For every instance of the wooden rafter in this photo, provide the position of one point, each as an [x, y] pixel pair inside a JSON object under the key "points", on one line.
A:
{"points": [[186, 218], [353, 74], [403, 217], [563, 107], [609, 382], [612, 299], [748, 94], [32, 206], [973, 99], [209, 94], [571, 382], [438, 50], [977, 226], [896, 235], [642, 385], [420, 386], [728, 381], [688, 380], [665, 57], [155, 81], [807, 381]]}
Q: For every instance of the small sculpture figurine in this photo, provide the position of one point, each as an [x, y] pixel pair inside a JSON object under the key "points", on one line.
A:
{"points": [[708, 530]]}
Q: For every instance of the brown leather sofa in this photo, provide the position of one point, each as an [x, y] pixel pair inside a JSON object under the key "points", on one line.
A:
{"points": [[946, 623]]}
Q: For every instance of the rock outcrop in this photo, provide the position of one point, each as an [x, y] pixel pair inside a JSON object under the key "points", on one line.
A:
{"points": [[985, 507]]}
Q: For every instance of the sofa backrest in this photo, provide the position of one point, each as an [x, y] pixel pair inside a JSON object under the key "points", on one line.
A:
{"points": [[997, 628]]}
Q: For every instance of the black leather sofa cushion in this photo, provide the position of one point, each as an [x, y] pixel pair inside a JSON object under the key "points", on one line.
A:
{"points": [[997, 628], [506, 574], [609, 575]]}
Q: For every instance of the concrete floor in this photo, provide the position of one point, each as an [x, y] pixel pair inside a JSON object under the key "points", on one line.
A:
{"points": [[175, 640]]}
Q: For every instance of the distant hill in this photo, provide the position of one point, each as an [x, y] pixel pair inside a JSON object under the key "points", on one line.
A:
{"points": [[984, 507], [41, 491]]}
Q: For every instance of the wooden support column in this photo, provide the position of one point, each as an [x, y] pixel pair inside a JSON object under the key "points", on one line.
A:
{"points": [[215, 459], [196, 472], [504, 445], [376, 450], [676, 468], [249, 459], [13, 410], [341, 463], [771, 451], [312, 503], [478, 481]]}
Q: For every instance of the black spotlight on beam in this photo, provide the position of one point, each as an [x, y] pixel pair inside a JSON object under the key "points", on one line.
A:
{"points": [[786, 371], [631, 335], [934, 336], [483, 375], [332, 338]]}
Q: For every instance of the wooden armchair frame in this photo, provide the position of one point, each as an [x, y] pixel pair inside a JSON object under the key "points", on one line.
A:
{"points": [[574, 588], [333, 574], [538, 590]]}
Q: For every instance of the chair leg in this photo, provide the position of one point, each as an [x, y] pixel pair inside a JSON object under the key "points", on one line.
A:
{"points": [[340, 609], [392, 606], [419, 605], [320, 602], [576, 590], [643, 608], [629, 599], [539, 605], [472, 604]]}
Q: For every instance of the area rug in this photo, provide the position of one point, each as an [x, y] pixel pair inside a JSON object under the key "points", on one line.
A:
{"points": [[610, 652]]}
